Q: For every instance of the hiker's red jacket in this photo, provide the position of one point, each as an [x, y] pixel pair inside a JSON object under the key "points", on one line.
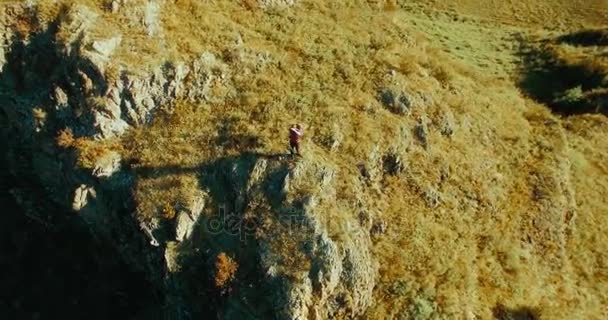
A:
{"points": [[295, 135]]}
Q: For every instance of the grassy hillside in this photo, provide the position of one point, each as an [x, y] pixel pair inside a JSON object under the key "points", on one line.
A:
{"points": [[479, 224], [492, 205]]}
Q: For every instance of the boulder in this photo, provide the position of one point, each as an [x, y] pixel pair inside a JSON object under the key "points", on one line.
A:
{"points": [[396, 103], [184, 225], [421, 132], [75, 28], [60, 98], [392, 164], [100, 51], [81, 197], [207, 73], [447, 125], [276, 3], [151, 18], [107, 165], [188, 217]]}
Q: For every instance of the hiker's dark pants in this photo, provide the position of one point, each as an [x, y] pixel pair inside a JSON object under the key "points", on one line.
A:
{"points": [[294, 147]]}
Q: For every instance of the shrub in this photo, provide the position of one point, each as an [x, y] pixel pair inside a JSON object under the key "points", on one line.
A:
{"points": [[441, 73], [225, 270], [570, 97], [65, 138], [169, 211]]}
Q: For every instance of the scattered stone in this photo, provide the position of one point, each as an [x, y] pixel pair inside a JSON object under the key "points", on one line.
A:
{"points": [[420, 131], [391, 164], [396, 104], [207, 71], [184, 226], [114, 6], [81, 197], [332, 138], [378, 228], [107, 165], [151, 20], [365, 174], [447, 124], [432, 198], [105, 48], [60, 98], [365, 219], [403, 104], [276, 3]]}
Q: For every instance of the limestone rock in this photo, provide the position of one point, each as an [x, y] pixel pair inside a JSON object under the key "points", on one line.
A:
{"points": [[133, 100], [81, 197], [184, 224], [151, 19], [299, 293], [208, 72], [75, 28], [276, 3], [101, 51], [397, 104], [447, 125], [107, 165], [187, 218], [421, 132], [60, 98], [392, 164], [149, 227], [341, 275]]}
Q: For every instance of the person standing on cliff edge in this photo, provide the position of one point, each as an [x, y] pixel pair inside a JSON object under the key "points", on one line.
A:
{"points": [[295, 138]]}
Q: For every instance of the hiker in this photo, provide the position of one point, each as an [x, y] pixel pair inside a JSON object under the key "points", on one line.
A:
{"points": [[295, 137]]}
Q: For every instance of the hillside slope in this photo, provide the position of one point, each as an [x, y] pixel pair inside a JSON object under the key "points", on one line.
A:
{"points": [[431, 186]]}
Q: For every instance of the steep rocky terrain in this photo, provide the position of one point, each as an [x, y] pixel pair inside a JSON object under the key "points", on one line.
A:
{"points": [[431, 186]]}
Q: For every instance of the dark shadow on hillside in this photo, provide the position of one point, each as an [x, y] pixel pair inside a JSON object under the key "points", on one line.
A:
{"points": [[62, 272], [153, 172], [226, 228], [36, 66], [560, 86], [53, 267], [586, 38], [503, 313]]}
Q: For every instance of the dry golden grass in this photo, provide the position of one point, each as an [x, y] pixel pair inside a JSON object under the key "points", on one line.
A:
{"points": [[559, 14], [88, 150]]}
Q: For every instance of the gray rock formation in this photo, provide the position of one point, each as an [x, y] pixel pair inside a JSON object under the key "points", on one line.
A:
{"points": [[107, 165], [188, 217], [276, 3]]}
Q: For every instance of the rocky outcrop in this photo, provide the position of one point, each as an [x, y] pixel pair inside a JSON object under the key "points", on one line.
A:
{"points": [[340, 276], [276, 3], [315, 266], [103, 100]]}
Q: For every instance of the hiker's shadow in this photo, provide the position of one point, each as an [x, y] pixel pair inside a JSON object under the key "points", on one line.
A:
{"points": [[143, 171]]}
